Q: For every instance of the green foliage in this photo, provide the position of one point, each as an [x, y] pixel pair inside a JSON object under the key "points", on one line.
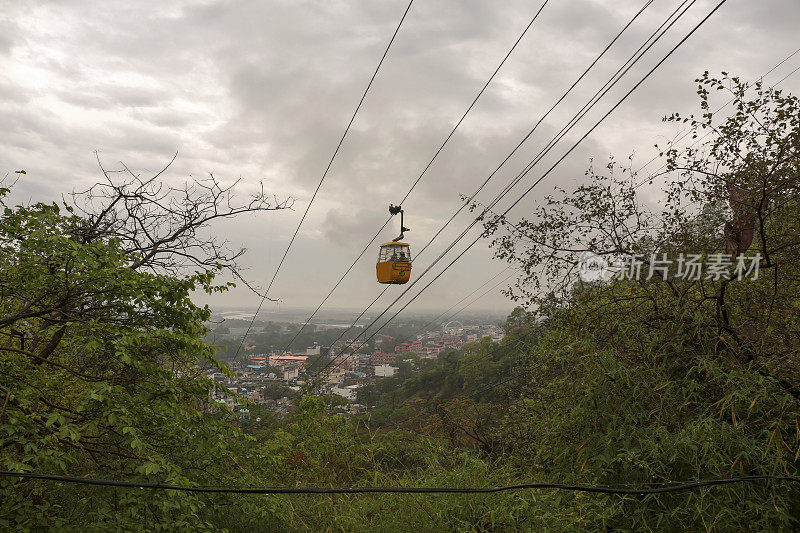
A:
{"points": [[100, 378], [663, 379], [619, 382], [595, 416]]}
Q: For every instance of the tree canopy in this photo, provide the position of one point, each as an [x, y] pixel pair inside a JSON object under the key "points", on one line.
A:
{"points": [[634, 373]]}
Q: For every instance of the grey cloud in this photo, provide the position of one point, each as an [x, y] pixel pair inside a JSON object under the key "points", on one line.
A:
{"points": [[6, 43], [341, 224], [37, 126], [105, 96], [264, 90], [166, 117]]}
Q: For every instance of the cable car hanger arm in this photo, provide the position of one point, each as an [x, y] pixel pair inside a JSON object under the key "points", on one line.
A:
{"points": [[394, 209]]}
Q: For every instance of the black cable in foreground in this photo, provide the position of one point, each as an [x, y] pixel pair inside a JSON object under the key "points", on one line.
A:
{"points": [[683, 486]]}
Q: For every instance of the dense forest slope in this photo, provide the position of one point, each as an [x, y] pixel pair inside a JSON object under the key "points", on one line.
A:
{"points": [[630, 381]]}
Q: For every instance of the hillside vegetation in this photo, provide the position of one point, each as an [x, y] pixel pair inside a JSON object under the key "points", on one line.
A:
{"points": [[618, 382]]}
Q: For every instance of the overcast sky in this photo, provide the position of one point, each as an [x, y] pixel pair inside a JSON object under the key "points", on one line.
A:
{"points": [[263, 91]]}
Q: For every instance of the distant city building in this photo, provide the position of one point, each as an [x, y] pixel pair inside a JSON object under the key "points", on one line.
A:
{"points": [[335, 376], [277, 360], [381, 339], [357, 409], [385, 371], [356, 362], [404, 347], [348, 392], [290, 372], [381, 358], [347, 362]]}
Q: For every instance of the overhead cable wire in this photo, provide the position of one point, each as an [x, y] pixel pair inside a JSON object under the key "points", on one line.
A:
{"points": [[325, 173], [687, 133], [418, 330], [482, 285], [652, 40], [586, 108], [527, 136], [645, 47], [524, 194], [532, 130], [468, 304], [425, 169], [717, 110], [582, 138]]}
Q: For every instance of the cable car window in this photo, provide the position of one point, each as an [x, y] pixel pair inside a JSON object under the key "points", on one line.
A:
{"points": [[394, 252]]}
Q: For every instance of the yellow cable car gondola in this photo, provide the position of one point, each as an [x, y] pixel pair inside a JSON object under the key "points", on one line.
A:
{"points": [[394, 258], [394, 263]]}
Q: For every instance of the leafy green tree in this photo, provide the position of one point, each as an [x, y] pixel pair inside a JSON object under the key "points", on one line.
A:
{"points": [[100, 350], [665, 377], [478, 366], [276, 391], [519, 323]]}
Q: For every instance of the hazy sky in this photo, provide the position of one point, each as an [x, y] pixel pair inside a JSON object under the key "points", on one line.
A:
{"points": [[263, 91]]}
